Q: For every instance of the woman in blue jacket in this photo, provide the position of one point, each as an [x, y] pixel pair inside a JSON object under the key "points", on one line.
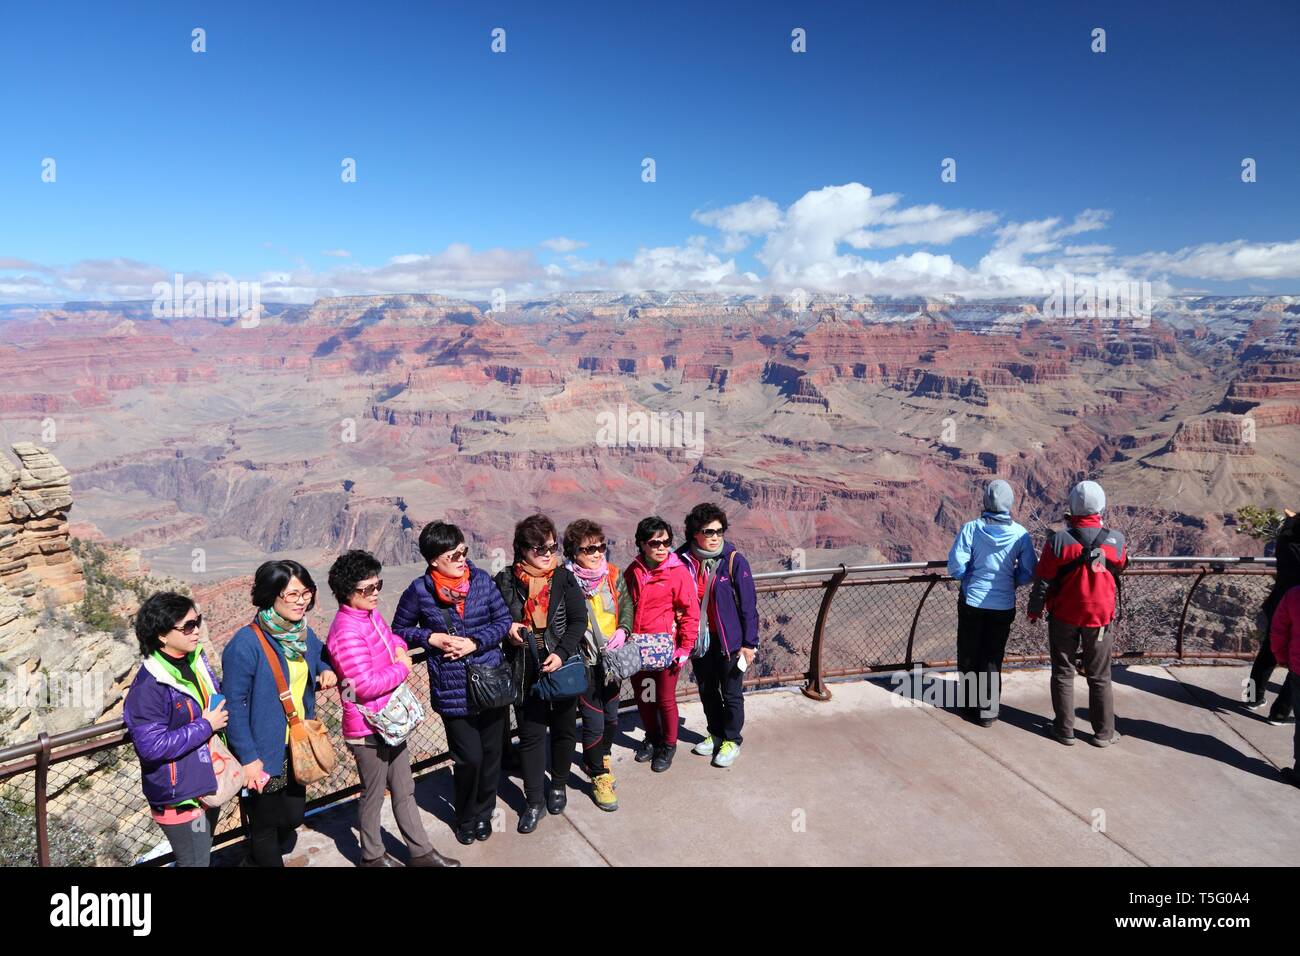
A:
{"points": [[992, 556], [455, 612], [170, 718], [283, 592]]}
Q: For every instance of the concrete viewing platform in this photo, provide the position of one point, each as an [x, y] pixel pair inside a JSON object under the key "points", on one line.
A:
{"points": [[861, 780]]}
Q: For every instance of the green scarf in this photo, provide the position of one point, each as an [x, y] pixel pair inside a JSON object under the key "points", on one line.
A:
{"points": [[290, 635]]}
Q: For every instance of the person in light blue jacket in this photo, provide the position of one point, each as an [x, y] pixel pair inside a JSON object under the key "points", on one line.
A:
{"points": [[992, 556]]}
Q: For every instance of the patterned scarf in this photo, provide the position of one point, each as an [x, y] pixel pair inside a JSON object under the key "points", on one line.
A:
{"points": [[538, 604], [450, 590], [589, 580], [290, 635]]}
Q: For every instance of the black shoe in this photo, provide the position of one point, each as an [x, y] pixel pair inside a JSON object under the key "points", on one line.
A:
{"points": [[646, 752], [465, 834], [433, 858], [384, 860], [529, 819], [663, 758], [556, 800], [482, 830]]}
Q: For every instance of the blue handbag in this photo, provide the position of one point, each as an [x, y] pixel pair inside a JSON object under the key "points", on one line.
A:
{"points": [[566, 681]]}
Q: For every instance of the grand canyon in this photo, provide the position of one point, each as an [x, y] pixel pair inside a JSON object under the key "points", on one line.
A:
{"points": [[851, 431]]}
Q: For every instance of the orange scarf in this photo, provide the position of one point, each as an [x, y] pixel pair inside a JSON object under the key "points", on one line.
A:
{"points": [[450, 590], [539, 593]]}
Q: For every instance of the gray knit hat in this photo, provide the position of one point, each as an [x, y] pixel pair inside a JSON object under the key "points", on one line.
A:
{"points": [[1087, 498], [998, 497]]}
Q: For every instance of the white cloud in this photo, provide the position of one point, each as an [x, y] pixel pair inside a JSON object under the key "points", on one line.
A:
{"points": [[562, 244], [1226, 260]]}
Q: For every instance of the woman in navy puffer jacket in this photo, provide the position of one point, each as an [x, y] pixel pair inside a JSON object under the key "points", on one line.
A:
{"points": [[455, 612]]}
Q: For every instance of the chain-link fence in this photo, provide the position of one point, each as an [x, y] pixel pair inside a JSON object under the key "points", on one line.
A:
{"points": [[876, 618]]}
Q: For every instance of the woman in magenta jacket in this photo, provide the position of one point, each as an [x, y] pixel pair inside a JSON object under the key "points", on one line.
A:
{"points": [[1284, 636], [372, 662], [664, 601]]}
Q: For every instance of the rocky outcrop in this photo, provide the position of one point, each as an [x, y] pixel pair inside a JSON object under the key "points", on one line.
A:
{"points": [[1219, 434], [34, 552]]}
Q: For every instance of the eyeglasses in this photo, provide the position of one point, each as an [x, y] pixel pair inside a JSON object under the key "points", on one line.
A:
{"points": [[711, 532], [370, 590], [544, 550], [457, 556], [593, 548], [297, 597], [189, 627], [654, 544]]}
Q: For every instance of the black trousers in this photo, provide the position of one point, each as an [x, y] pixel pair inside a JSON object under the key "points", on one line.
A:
{"points": [[475, 743], [534, 717], [1259, 675], [981, 644], [599, 707], [273, 817], [719, 681]]}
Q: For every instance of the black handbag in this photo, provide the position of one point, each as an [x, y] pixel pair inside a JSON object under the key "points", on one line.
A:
{"points": [[487, 687], [568, 680]]}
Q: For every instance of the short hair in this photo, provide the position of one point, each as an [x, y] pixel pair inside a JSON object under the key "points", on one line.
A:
{"points": [[648, 527], [158, 615], [704, 513], [437, 538], [272, 577], [577, 532], [349, 569], [532, 532]]}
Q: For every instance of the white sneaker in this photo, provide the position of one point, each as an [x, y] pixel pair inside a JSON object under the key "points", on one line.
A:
{"points": [[705, 747]]}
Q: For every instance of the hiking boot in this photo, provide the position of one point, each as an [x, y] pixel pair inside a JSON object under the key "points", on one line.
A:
{"points": [[727, 754], [646, 751], [602, 792], [1060, 737], [1098, 742], [706, 746], [663, 758], [606, 763]]}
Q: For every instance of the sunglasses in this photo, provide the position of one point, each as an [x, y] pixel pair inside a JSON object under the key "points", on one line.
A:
{"points": [[593, 548], [654, 544], [711, 532], [370, 590], [544, 550], [455, 557], [189, 627]]}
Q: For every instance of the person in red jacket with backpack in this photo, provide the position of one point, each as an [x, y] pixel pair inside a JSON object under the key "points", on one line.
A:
{"points": [[1077, 581]]}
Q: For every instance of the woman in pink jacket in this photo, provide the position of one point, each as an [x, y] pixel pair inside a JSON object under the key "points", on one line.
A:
{"points": [[1284, 636], [371, 663], [664, 601]]}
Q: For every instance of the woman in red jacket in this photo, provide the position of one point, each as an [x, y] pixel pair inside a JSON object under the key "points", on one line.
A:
{"points": [[1284, 635], [664, 601]]}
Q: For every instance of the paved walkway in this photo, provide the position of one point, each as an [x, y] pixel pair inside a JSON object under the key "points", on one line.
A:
{"points": [[862, 780]]}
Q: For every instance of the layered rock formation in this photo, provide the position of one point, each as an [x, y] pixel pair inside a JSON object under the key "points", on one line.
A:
{"points": [[34, 553]]}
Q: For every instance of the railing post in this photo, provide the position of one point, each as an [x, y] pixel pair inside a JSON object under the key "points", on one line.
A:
{"points": [[42, 779], [911, 635], [1182, 621], [815, 687]]}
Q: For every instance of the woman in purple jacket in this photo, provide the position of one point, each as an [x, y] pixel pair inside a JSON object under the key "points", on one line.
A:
{"points": [[728, 629], [170, 716], [455, 612]]}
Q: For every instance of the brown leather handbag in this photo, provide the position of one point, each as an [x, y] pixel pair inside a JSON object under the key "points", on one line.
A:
{"points": [[310, 749]]}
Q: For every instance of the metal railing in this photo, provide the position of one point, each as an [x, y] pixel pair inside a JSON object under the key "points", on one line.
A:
{"points": [[75, 798]]}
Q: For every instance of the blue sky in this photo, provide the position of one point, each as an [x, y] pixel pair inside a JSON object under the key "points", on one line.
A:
{"points": [[228, 162]]}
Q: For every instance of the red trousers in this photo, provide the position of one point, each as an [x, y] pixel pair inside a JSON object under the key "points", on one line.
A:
{"points": [[656, 701]]}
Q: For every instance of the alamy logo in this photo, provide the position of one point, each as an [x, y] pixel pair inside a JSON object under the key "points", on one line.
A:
{"points": [[651, 430], [207, 300], [102, 909], [1086, 298]]}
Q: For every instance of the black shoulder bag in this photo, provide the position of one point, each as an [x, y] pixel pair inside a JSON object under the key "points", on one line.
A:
{"points": [[486, 687]]}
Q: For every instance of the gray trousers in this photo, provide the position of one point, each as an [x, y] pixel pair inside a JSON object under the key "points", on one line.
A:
{"points": [[1094, 645], [381, 765], [192, 842]]}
